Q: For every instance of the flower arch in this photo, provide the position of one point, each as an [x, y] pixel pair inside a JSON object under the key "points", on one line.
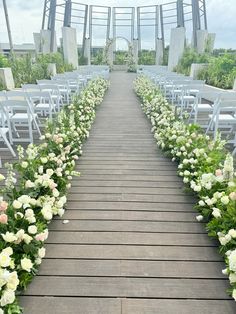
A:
{"points": [[108, 50]]}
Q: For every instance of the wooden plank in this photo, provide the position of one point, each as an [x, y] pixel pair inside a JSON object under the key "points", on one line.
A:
{"points": [[132, 198], [144, 167], [127, 215], [67, 305], [173, 253], [130, 226], [130, 177], [78, 182], [129, 238], [143, 206], [129, 287], [116, 268], [126, 190], [147, 306]]}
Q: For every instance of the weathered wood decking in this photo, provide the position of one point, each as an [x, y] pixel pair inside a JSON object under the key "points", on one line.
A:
{"points": [[132, 245]]}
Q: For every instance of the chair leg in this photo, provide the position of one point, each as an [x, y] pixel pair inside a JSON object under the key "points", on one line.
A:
{"points": [[8, 145]]}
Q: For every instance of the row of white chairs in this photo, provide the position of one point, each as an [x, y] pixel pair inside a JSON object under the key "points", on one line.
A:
{"points": [[25, 109], [195, 97]]}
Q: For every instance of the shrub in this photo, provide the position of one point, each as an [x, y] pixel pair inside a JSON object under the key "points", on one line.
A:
{"points": [[221, 71], [189, 57], [147, 57]]}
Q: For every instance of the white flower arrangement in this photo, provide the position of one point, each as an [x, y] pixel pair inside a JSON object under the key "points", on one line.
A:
{"points": [[27, 207], [204, 165]]}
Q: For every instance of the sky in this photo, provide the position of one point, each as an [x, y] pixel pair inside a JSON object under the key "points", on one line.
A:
{"points": [[26, 18]]}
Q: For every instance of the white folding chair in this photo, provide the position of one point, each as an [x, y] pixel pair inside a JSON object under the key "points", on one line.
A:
{"points": [[223, 116], [19, 113], [42, 103], [55, 94]]}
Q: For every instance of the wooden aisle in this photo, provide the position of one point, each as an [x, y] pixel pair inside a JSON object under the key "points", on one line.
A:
{"points": [[132, 245]]}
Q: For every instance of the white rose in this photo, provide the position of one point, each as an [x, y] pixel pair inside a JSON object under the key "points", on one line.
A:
{"points": [[16, 204], [29, 184], [46, 214], [27, 238], [8, 297], [9, 237], [234, 294], [41, 252], [2, 177], [216, 213], [13, 281], [225, 271], [5, 259], [199, 218], [224, 200], [197, 188], [201, 203], [49, 172], [26, 264], [44, 160], [232, 278], [55, 193], [232, 261], [232, 233], [32, 229], [24, 164]]}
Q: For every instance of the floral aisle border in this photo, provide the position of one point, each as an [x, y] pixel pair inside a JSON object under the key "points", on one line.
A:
{"points": [[27, 208], [205, 166]]}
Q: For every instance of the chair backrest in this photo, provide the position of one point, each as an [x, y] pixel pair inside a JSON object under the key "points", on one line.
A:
{"points": [[16, 95], [40, 82], [16, 105], [39, 95], [3, 95], [30, 87]]}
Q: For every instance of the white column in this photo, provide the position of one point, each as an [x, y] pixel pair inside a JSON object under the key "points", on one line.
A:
{"points": [[196, 68], [177, 45], [52, 69], [202, 36], [45, 41], [70, 49], [37, 42], [87, 50], [159, 52], [211, 41], [6, 78], [135, 48]]}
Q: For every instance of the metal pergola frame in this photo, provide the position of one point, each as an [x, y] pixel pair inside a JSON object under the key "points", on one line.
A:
{"points": [[176, 13]]}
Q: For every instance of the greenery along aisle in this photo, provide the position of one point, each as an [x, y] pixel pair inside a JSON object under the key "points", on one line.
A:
{"points": [[205, 166], [26, 208]]}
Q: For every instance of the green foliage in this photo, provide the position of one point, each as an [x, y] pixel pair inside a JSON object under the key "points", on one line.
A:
{"points": [[221, 71], [147, 57], [27, 69], [190, 56], [166, 55], [120, 57], [3, 62]]}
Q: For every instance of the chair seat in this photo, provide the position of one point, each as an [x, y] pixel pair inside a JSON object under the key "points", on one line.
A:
{"points": [[42, 106], [224, 118], [194, 91], [204, 107], [22, 117]]}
